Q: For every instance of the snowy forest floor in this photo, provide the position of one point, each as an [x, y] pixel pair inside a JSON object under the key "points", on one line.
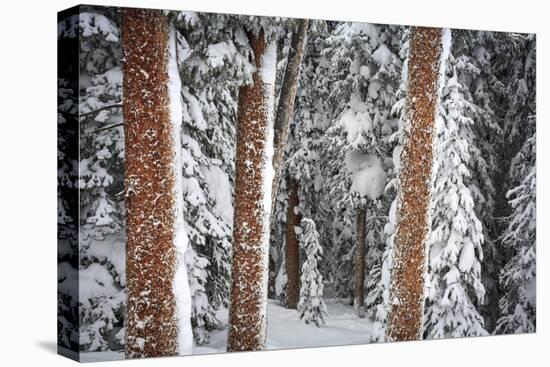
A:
{"points": [[284, 331]]}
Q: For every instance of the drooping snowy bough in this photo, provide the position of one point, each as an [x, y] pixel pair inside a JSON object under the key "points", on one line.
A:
{"points": [[311, 308], [158, 298], [252, 208], [415, 180], [454, 287]]}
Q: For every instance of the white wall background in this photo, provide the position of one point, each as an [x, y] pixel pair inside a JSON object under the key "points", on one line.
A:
{"points": [[28, 181]]}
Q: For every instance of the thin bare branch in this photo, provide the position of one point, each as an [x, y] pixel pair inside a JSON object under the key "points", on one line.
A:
{"points": [[112, 126], [107, 107], [90, 113]]}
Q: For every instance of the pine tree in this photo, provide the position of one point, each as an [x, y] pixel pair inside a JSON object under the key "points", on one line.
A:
{"points": [[364, 59], [213, 64], [301, 159], [352, 147], [67, 182], [455, 290], [377, 302], [409, 245], [518, 277], [253, 183], [101, 149], [311, 308], [474, 52], [299, 167], [379, 277], [101, 316], [203, 317], [156, 240], [285, 110]]}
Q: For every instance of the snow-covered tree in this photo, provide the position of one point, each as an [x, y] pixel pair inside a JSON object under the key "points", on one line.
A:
{"points": [[520, 87], [379, 274], [253, 184], [285, 107], [100, 252], [101, 149], [454, 287], [344, 168], [301, 159], [213, 64], [427, 50], [474, 52], [365, 71], [203, 316], [67, 182], [311, 307], [283, 117], [302, 155], [518, 277], [156, 239]]}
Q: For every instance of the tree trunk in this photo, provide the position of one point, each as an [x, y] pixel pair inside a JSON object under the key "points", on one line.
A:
{"points": [[150, 186], [271, 293], [292, 255], [156, 274], [285, 110], [359, 283], [251, 228], [413, 223]]}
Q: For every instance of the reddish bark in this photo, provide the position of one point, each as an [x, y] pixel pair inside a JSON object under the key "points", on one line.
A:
{"points": [[247, 313], [359, 281], [292, 255], [407, 280], [151, 324]]}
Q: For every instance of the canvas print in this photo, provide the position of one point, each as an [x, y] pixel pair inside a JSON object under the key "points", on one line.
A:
{"points": [[237, 183]]}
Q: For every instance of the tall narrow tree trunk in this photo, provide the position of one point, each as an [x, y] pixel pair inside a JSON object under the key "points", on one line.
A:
{"points": [[359, 283], [253, 181], [292, 255], [155, 325], [413, 220], [285, 110]]}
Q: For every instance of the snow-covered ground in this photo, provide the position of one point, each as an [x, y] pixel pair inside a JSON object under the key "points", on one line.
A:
{"points": [[284, 330]]}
